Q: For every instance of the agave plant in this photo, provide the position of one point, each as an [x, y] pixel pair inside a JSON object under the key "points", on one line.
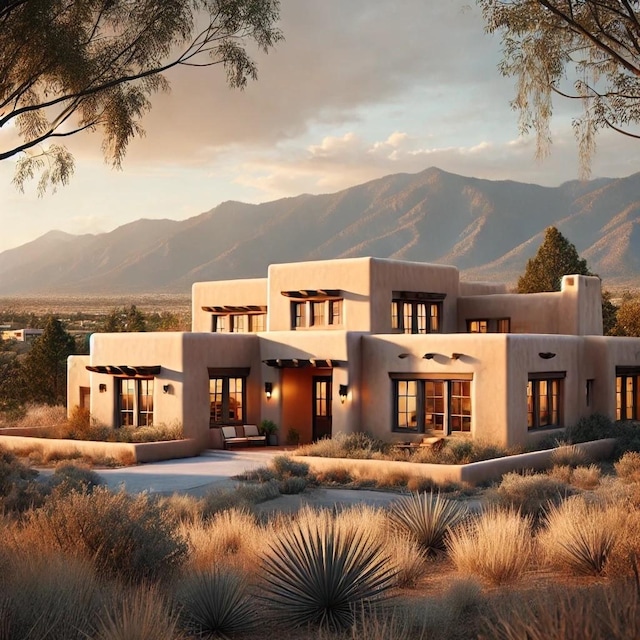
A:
{"points": [[216, 602], [320, 571], [427, 517]]}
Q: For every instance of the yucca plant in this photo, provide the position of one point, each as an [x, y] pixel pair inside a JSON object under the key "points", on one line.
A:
{"points": [[427, 517], [216, 602], [319, 571]]}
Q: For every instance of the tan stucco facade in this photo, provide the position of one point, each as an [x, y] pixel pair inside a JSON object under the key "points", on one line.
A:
{"points": [[334, 338]]}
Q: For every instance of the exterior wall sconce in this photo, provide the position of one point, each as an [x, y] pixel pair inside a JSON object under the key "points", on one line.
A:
{"points": [[456, 356], [429, 356], [268, 389], [344, 389], [166, 388], [547, 355], [102, 387], [404, 355]]}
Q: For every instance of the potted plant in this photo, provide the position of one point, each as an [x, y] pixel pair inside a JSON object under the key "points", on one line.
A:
{"points": [[269, 428]]}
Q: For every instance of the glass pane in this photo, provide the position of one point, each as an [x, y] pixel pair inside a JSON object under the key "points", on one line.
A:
{"points": [[336, 312], [435, 318], [530, 405], [618, 398], [407, 312], [434, 404], [215, 400], [460, 419], [394, 315], [318, 313], [407, 403], [235, 409], [629, 412], [127, 399], [145, 403], [421, 317]]}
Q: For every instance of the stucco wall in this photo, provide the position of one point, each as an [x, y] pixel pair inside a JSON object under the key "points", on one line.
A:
{"points": [[224, 292], [484, 358], [388, 276], [77, 376], [351, 276], [467, 288]]}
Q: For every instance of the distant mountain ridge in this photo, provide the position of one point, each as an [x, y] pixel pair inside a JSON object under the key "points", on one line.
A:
{"points": [[488, 229]]}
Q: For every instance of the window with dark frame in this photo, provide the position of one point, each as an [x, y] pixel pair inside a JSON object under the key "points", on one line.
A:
{"points": [[627, 393], [416, 312], [544, 400], [238, 322], [316, 312], [227, 397], [426, 404], [503, 325], [477, 326], [135, 402]]}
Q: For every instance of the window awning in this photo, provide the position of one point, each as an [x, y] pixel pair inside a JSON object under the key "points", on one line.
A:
{"points": [[126, 370], [301, 363], [307, 294], [227, 309]]}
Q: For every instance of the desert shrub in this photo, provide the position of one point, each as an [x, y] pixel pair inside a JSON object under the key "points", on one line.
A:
{"points": [[594, 427], [292, 485], [319, 570], [180, 507], [69, 477], [593, 613], [141, 613], [623, 560], [240, 497], [418, 484], [586, 477], [122, 535], [353, 445], [428, 518], [18, 489], [628, 467], [561, 473], [261, 474], [495, 545], [216, 602], [285, 467], [42, 415], [569, 455], [529, 493], [52, 596], [334, 475], [230, 538], [579, 535]]}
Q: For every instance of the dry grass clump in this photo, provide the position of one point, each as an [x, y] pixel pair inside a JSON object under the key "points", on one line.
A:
{"points": [[181, 507], [141, 613], [240, 497], [231, 538], [408, 560], [42, 415], [586, 477], [628, 467], [123, 535], [623, 559], [51, 596], [495, 545], [594, 613], [569, 454], [580, 535], [339, 475], [529, 493], [428, 517]]}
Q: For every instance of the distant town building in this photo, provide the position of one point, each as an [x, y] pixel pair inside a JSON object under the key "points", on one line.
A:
{"points": [[21, 335]]}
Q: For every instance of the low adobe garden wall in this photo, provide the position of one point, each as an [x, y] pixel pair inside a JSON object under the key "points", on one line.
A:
{"points": [[472, 474], [135, 452]]}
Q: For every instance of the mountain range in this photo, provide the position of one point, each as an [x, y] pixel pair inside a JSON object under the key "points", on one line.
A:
{"points": [[488, 229]]}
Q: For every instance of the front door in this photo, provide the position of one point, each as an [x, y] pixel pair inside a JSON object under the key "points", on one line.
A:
{"points": [[321, 407]]}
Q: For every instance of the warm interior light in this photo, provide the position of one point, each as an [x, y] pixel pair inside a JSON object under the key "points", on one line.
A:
{"points": [[268, 389], [344, 389]]}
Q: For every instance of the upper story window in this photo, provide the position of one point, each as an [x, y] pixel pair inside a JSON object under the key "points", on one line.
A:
{"points": [[489, 325], [416, 312], [246, 319], [315, 309]]}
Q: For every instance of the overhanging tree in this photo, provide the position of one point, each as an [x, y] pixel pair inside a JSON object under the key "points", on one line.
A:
{"points": [[588, 50], [556, 257], [68, 66]]}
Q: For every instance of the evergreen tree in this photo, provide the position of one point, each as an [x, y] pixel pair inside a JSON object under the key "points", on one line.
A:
{"points": [[44, 371], [628, 317], [125, 319], [556, 257]]}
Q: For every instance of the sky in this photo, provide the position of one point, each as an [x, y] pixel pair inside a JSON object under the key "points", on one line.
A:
{"points": [[359, 89]]}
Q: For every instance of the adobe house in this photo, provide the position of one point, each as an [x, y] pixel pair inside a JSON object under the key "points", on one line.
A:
{"points": [[401, 350]]}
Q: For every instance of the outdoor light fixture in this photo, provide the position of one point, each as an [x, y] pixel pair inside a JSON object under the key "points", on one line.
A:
{"points": [[102, 387], [166, 388], [456, 356], [268, 389], [404, 355], [547, 355], [429, 356], [344, 389]]}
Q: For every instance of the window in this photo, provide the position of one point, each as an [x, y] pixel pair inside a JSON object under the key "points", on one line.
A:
{"points": [[503, 325], [627, 393], [135, 402], [426, 404], [239, 323], [416, 312], [544, 397], [227, 397], [316, 313], [477, 326]]}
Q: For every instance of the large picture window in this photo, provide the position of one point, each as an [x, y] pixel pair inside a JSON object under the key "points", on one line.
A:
{"points": [[416, 312], [627, 393], [316, 313], [544, 400], [227, 397], [425, 404], [135, 402], [239, 322]]}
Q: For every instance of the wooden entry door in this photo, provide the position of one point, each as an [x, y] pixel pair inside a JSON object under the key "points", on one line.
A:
{"points": [[321, 407]]}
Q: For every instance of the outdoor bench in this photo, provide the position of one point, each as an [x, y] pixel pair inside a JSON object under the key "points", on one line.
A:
{"points": [[248, 434]]}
